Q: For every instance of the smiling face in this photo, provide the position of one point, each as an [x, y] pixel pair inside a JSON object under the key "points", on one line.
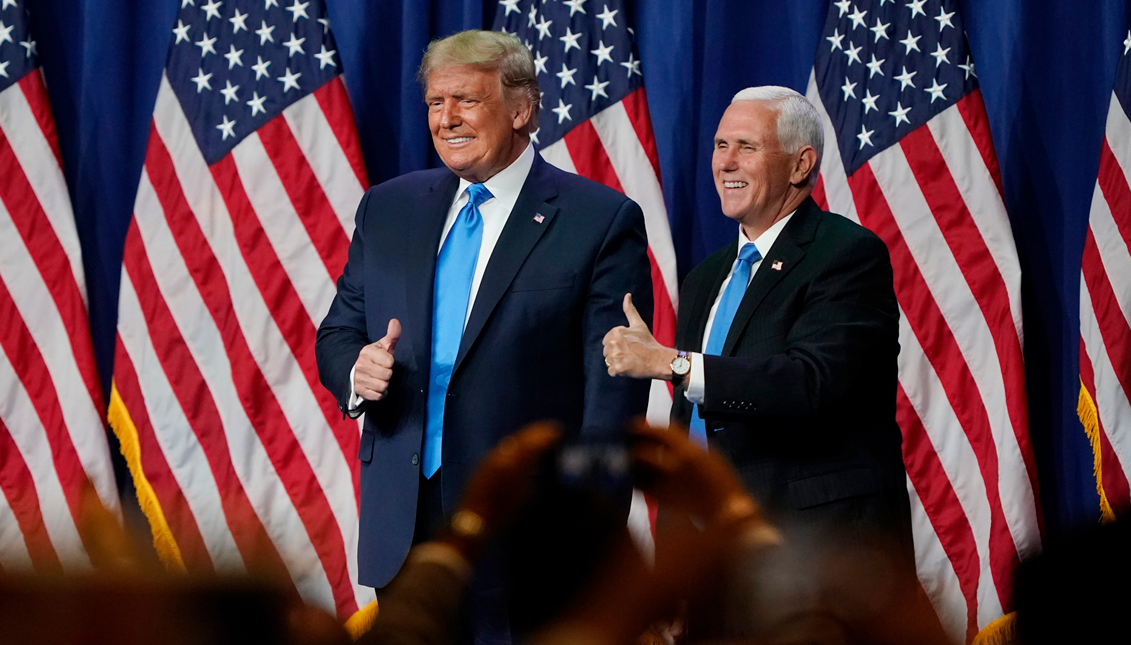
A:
{"points": [[758, 182], [475, 131]]}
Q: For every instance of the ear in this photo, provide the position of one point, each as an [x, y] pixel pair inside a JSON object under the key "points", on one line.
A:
{"points": [[806, 160], [522, 116]]}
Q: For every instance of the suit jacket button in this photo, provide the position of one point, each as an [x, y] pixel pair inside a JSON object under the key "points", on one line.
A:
{"points": [[415, 459]]}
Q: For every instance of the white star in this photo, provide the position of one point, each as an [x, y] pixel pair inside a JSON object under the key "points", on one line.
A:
{"points": [[239, 21], [184, 3], [911, 42], [540, 63], [905, 79], [289, 80], [298, 8], [267, 4], [597, 88], [261, 67], [843, 5], [12, 3], [849, 89], [562, 111], [212, 9], [944, 19], [325, 22], [969, 67], [294, 45], [916, 7], [940, 55], [182, 32], [233, 57], [936, 90], [570, 40], [602, 52], [529, 45], [857, 18], [29, 45], [869, 101], [883, 2], [865, 137], [326, 57], [1127, 43], [6, 32], [201, 80], [853, 54], [256, 103], [264, 33], [874, 66], [608, 17], [511, 5], [835, 40], [4, 68], [881, 30], [206, 45], [543, 27], [226, 128], [574, 6], [633, 66], [900, 114], [566, 75], [229, 92], [534, 136]]}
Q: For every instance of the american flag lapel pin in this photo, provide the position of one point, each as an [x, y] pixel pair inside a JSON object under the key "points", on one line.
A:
{"points": [[776, 266], [539, 218]]}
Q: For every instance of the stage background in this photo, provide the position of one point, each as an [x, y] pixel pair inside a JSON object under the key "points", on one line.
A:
{"points": [[1045, 68]]}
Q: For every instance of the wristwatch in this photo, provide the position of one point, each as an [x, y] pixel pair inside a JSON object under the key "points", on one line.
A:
{"points": [[681, 366]]}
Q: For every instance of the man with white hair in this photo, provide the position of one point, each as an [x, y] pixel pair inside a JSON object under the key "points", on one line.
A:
{"points": [[786, 344]]}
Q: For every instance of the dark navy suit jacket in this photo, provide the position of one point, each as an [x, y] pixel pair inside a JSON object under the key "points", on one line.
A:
{"points": [[531, 349], [802, 399]]}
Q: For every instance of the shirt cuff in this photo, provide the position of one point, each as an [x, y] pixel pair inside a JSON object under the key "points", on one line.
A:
{"points": [[696, 388], [355, 400]]}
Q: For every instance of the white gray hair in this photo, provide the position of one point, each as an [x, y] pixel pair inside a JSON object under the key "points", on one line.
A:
{"points": [[798, 122]]}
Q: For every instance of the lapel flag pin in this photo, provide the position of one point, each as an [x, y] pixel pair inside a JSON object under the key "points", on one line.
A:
{"points": [[776, 266], [539, 218]]}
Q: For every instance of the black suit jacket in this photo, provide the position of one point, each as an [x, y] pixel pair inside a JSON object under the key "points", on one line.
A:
{"points": [[531, 349], [802, 399]]}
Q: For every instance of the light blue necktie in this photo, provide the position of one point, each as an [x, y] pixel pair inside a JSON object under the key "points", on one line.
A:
{"points": [[724, 316], [451, 291]]}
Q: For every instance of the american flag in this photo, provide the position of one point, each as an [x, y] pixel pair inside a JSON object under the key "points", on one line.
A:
{"points": [[1105, 306], [595, 123], [241, 223], [52, 436], [908, 154]]}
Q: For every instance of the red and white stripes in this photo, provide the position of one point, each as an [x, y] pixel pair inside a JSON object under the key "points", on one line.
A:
{"points": [[52, 436], [1105, 318], [245, 461], [935, 200]]}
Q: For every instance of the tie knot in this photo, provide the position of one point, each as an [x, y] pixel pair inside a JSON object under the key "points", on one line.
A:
{"points": [[749, 253], [477, 194]]}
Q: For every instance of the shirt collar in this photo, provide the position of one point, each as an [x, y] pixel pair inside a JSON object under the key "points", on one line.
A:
{"points": [[766, 240], [506, 184]]}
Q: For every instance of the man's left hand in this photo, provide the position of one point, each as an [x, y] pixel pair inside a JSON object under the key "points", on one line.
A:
{"points": [[633, 351]]}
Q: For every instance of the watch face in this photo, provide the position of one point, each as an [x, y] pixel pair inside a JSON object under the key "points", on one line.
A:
{"points": [[680, 365]]}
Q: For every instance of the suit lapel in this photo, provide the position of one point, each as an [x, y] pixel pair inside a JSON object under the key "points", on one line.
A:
{"points": [[520, 234], [421, 239], [784, 255], [704, 296]]}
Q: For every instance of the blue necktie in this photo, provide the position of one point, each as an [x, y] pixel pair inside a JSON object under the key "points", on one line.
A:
{"points": [[451, 291], [724, 316]]}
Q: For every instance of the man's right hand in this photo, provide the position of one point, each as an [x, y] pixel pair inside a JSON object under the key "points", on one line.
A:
{"points": [[374, 367]]}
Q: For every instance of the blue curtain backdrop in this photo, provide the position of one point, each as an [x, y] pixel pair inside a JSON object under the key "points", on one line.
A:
{"points": [[1045, 67]]}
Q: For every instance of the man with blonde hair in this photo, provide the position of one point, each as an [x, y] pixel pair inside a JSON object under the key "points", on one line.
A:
{"points": [[474, 302]]}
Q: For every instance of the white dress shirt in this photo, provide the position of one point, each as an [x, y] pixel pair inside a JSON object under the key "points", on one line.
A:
{"points": [[505, 187], [696, 388]]}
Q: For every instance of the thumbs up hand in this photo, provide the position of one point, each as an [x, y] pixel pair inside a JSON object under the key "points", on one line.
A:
{"points": [[633, 351], [374, 367]]}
